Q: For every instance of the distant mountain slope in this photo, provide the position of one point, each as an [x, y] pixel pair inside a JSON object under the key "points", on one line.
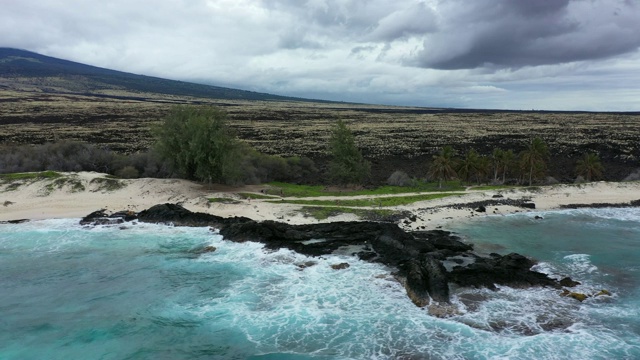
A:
{"points": [[70, 76]]}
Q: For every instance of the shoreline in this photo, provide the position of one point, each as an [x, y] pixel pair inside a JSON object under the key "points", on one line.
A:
{"points": [[82, 193]]}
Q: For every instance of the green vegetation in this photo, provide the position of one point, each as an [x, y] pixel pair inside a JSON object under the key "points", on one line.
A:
{"points": [[443, 166], [13, 186], [473, 166], [6, 178], [502, 162], [302, 191], [492, 187], [199, 144], [255, 196], [75, 185], [589, 166], [370, 202], [347, 165], [106, 184], [533, 159], [322, 213], [224, 200]]}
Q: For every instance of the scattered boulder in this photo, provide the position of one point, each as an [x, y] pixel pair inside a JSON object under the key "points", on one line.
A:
{"points": [[340, 266], [603, 292], [481, 209], [17, 221], [575, 295], [206, 249], [568, 282], [305, 265], [101, 217]]}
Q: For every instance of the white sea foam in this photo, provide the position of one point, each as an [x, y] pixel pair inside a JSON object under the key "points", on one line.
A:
{"points": [[270, 304]]}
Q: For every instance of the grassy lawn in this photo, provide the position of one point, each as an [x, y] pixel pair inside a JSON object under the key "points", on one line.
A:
{"points": [[301, 191], [322, 213], [5, 178], [380, 202], [492, 187], [256, 196]]}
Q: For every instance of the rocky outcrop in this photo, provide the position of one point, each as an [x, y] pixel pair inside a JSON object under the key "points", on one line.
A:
{"points": [[179, 216], [418, 256], [101, 217], [513, 270], [426, 278]]}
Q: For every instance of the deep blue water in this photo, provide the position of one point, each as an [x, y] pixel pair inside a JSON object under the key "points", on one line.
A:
{"points": [[68, 292]]}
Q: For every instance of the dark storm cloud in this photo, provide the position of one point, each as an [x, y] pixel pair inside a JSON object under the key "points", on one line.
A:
{"points": [[522, 54], [358, 20], [517, 33]]}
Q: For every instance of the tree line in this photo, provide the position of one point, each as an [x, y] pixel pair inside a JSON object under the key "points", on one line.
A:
{"points": [[501, 165]]}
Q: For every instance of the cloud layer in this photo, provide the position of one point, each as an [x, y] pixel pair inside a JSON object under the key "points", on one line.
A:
{"points": [[519, 54]]}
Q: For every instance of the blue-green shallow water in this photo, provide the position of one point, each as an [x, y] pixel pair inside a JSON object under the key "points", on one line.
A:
{"points": [[142, 293]]}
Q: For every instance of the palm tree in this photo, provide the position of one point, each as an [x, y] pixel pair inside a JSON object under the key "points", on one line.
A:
{"points": [[589, 166], [496, 162], [501, 161], [443, 166], [533, 158], [473, 165]]}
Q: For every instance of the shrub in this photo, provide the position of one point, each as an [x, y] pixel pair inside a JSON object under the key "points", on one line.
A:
{"points": [[128, 172], [579, 180], [550, 180], [634, 176], [399, 178]]}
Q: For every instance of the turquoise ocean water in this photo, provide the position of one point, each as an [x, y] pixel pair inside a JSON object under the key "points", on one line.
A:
{"points": [[68, 292]]}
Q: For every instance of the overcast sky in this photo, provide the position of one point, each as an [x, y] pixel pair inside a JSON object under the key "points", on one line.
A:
{"points": [[504, 54]]}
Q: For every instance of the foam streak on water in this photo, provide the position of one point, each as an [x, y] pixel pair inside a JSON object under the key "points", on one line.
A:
{"points": [[144, 293]]}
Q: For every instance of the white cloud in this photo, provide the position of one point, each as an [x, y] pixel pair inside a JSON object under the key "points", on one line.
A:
{"points": [[560, 54]]}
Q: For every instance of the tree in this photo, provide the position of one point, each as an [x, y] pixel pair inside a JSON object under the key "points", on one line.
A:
{"points": [[473, 165], [199, 143], [443, 166], [501, 162], [533, 159], [347, 165], [589, 166]]}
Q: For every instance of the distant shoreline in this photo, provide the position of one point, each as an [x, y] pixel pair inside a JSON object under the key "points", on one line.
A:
{"points": [[83, 194]]}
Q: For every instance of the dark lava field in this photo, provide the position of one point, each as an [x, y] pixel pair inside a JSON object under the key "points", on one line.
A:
{"points": [[392, 138]]}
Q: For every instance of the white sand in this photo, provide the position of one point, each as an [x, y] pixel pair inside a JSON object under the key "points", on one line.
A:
{"points": [[47, 199]]}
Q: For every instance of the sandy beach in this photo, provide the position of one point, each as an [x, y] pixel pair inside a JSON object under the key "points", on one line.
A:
{"points": [[85, 192]]}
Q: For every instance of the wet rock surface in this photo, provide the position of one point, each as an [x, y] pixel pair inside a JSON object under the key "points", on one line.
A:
{"points": [[418, 256]]}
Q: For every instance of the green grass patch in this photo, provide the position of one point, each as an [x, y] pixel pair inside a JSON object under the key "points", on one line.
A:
{"points": [[255, 196], [322, 213], [5, 178], [373, 202], [224, 200], [13, 186], [492, 187], [301, 191]]}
